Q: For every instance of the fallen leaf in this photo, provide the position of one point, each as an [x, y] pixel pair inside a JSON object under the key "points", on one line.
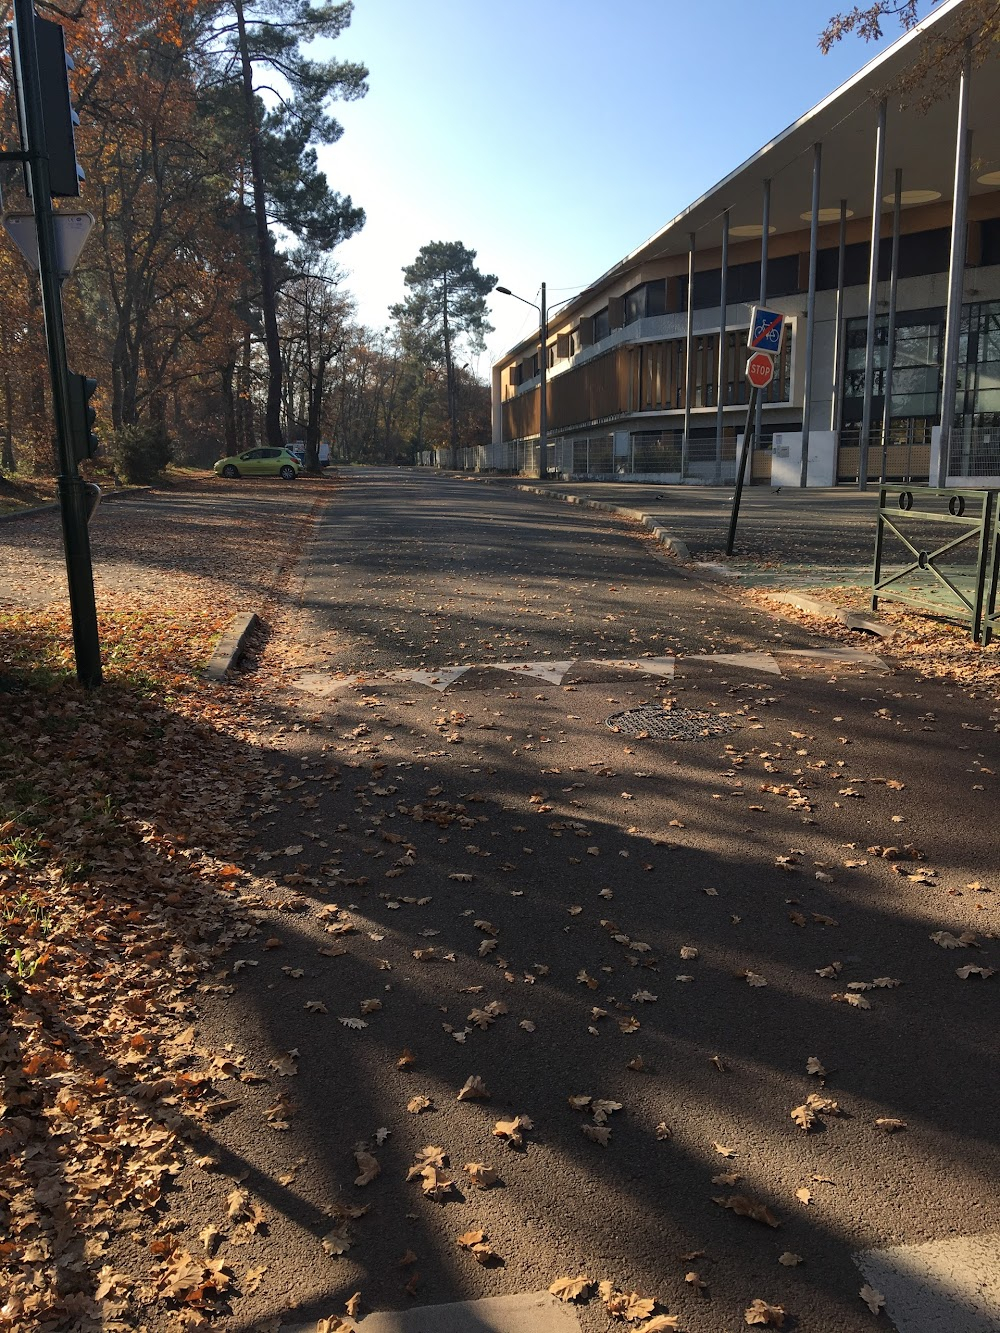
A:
{"points": [[478, 1246], [804, 1195], [473, 1089], [804, 1117], [755, 979], [512, 1130], [744, 1206], [570, 1288], [813, 1066], [481, 1175], [353, 1305], [368, 1167], [337, 1242], [759, 1312], [597, 1134], [890, 1124], [789, 1259], [417, 1104], [970, 970], [872, 1298]]}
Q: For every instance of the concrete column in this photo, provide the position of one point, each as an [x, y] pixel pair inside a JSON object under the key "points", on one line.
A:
{"points": [[890, 341], [866, 411], [836, 406], [956, 272], [811, 312], [765, 232], [723, 345], [688, 367]]}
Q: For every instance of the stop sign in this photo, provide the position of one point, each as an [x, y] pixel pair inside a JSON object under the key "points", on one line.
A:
{"points": [[760, 370]]}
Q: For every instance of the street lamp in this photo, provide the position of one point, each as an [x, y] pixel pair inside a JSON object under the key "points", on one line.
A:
{"points": [[543, 411]]}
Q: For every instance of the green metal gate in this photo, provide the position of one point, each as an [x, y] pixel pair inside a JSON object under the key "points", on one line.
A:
{"points": [[943, 576]]}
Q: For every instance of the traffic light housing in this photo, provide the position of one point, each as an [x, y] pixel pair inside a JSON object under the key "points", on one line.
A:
{"points": [[58, 116], [83, 415]]}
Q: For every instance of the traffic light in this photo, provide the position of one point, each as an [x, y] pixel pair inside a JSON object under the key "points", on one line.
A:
{"points": [[58, 117], [84, 441]]}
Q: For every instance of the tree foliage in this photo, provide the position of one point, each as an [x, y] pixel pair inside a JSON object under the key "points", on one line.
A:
{"points": [[207, 303], [444, 311]]}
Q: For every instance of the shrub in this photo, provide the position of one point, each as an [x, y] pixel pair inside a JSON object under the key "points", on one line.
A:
{"points": [[139, 454]]}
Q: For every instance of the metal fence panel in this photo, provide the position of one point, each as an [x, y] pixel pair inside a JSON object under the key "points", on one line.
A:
{"points": [[945, 538]]}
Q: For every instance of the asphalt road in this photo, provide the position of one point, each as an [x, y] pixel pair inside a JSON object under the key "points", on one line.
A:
{"points": [[491, 879]]}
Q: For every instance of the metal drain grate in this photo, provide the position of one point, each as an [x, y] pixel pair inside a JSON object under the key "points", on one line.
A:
{"points": [[670, 724]]}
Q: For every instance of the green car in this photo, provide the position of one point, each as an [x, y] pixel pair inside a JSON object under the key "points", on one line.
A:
{"points": [[260, 463]]}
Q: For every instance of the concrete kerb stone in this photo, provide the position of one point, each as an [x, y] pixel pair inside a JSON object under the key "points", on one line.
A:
{"points": [[813, 606], [230, 646], [121, 493], [673, 544]]}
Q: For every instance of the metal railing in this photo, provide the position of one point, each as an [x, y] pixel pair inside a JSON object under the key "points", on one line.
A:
{"points": [[946, 577], [974, 451]]}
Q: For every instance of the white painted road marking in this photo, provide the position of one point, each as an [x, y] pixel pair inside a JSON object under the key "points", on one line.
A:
{"points": [[946, 1286], [532, 1312]]}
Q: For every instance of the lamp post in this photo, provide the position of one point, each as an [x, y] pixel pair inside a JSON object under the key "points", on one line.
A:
{"points": [[543, 410]]}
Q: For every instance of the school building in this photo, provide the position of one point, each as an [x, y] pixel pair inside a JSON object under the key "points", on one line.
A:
{"points": [[873, 224]]}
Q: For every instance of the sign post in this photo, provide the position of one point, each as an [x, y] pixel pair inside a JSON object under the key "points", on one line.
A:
{"points": [[73, 491], [766, 332]]}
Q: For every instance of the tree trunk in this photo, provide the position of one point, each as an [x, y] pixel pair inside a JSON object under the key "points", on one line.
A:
{"points": [[272, 342], [450, 372]]}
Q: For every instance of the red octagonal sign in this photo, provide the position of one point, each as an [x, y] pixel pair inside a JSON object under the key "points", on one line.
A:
{"points": [[760, 370]]}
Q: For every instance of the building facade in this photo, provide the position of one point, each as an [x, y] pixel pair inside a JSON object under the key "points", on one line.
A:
{"points": [[645, 368]]}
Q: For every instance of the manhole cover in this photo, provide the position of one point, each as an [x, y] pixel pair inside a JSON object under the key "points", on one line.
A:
{"points": [[670, 724]]}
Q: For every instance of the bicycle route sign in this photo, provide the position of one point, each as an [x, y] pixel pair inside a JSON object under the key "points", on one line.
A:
{"points": [[767, 328]]}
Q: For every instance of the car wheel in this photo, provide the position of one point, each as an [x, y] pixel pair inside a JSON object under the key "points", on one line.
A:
{"points": [[287, 473], [230, 471]]}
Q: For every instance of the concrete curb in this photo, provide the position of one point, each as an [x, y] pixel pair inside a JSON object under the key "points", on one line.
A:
{"points": [[230, 646], [121, 493], [673, 544], [830, 611]]}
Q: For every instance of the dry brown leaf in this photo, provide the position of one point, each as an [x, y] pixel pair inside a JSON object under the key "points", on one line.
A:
{"points": [[759, 1312], [571, 1288], [513, 1130], [597, 1134], [727, 1178], [337, 1242], [745, 1206], [722, 1150], [852, 998], [481, 1175], [890, 1124], [406, 1059], [663, 1131], [353, 1305], [368, 1167], [478, 1246], [813, 1066], [872, 1298], [789, 1259], [417, 1104], [473, 1089], [755, 979], [971, 970], [660, 1323], [804, 1117], [804, 1194]]}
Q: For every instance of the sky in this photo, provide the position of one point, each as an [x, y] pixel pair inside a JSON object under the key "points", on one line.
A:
{"points": [[554, 136]]}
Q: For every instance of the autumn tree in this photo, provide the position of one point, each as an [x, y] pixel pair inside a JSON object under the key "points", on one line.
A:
{"points": [[932, 74], [280, 95], [315, 326], [444, 311]]}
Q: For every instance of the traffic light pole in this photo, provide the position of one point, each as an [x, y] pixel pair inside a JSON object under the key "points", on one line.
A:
{"points": [[73, 495]]}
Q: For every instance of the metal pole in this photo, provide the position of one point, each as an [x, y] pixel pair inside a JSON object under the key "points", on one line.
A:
{"points": [[838, 331], [811, 312], [956, 272], [741, 470], [688, 366], [866, 410], [723, 349], [890, 340], [72, 488], [543, 407], [765, 234]]}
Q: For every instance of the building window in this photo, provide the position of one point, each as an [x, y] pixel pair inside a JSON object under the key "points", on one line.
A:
{"points": [[656, 298], [602, 326], [635, 304]]}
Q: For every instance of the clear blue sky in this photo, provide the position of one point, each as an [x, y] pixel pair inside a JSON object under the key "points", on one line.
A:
{"points": [[553, 136]]}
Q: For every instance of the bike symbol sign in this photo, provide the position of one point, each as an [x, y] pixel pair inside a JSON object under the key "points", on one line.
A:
{"points": [[766, 330]]}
